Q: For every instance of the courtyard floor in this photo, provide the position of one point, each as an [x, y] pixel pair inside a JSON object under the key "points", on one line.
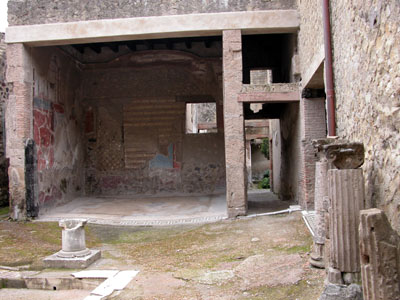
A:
{"points": [[168, 209], [251, 258]]}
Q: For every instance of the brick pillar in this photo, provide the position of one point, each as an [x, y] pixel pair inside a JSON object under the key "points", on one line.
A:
{"points": [[18, 123], [313, 127], [236, 181]]}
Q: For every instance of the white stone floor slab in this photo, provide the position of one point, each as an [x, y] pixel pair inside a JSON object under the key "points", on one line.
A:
{"points": [[309, 219], [116, 281], [95, 274]]}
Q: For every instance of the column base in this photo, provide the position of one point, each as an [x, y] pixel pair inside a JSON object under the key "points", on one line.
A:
{"points": [[236, 212], [57, 262]]}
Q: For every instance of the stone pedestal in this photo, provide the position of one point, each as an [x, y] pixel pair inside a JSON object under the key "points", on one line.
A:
{"points": [[74, 254], [73, 239], [380, 256]]}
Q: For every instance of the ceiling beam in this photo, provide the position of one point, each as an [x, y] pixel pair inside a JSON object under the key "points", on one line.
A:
{"points": [[131, 46], [79, 48], [188, 44], [95, 48], [113, 46]]}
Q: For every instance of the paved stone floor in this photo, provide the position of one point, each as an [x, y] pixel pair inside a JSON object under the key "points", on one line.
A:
{"points": [[159, 209]]}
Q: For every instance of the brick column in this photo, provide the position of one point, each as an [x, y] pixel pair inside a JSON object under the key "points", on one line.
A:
{"points": [[313, 127], [18, 123], [236, 181]]}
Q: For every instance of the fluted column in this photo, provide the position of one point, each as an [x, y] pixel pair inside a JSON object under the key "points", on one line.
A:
{"points": [[346, 193]]}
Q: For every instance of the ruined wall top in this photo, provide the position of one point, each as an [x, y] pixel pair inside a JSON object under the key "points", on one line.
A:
{"points": [[26, 12], [2, 59]]}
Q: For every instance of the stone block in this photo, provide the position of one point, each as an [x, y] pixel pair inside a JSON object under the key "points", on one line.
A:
{"points": [[334, 276], [57, 262], [380, 256], [260, 76], [341, 292]]}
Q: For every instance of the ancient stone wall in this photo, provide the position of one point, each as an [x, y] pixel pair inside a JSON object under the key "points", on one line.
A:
{"points": [[42, 11], [4, 92], [367, 85], [310, 38], [291, 159], [57, 126], [135, 125]]}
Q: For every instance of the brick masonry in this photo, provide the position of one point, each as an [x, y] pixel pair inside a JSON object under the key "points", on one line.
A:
{"points": [[4, 92], [135, 125], [313, 127], [236, 178], [18, 123]]}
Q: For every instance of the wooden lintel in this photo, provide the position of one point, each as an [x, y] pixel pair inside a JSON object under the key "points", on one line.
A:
{"points": [[269, 97], [257, 123], [195, 98]]}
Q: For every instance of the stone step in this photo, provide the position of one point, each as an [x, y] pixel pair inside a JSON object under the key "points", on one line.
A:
{"points": [[47, 281]]}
